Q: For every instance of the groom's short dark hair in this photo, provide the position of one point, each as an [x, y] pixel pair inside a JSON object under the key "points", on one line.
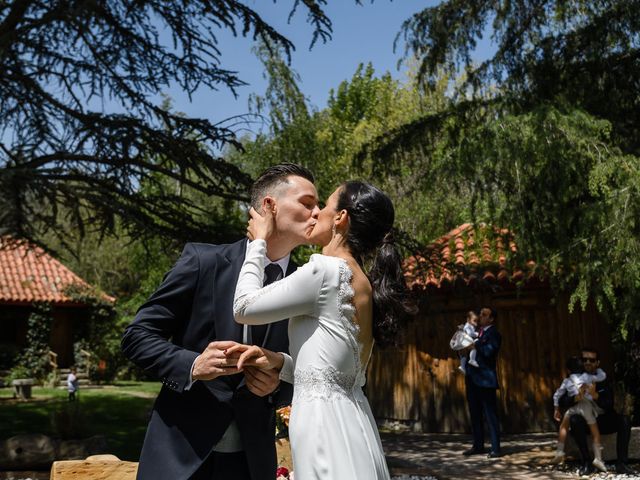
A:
{"points": [[272, 177]]}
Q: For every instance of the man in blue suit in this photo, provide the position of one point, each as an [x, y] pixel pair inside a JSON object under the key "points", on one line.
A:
{"points": [[211, 421], [481, 383]]}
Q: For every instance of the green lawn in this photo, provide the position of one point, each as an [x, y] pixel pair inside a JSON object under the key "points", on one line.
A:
{"points": [[119, 412]]}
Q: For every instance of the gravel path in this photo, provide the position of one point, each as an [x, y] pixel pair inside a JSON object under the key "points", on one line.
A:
{"points": [[414, 456], [439, 456]]}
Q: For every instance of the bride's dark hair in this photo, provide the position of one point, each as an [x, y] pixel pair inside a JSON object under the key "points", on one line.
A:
{"points": [[371, 217]]}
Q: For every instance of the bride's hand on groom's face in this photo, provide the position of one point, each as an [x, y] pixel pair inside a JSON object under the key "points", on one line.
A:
{"points": [[262, 226]]}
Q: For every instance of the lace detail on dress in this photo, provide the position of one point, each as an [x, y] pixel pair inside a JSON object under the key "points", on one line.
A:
{"points": [[347, 310], [322, 384], [345, 299], [241, 303]]}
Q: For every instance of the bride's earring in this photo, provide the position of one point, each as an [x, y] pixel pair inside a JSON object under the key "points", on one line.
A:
{"points": [[333, 231]]}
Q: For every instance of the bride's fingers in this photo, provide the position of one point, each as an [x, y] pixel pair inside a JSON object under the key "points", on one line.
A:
{"points": [[251, 229], [254, 214], [246, 356], [236, 349]]}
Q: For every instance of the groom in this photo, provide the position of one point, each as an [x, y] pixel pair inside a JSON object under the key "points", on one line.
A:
{"points": [[209, 420]]}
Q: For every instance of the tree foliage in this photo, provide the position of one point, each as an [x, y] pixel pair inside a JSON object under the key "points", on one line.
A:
{"points": [[543, 134], [34, 356], [61, 150], [333, 142], [586, 53], [99, 333]]}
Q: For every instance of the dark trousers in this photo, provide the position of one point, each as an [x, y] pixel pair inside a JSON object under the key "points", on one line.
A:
{"points": [[223, 466], [609, 422], [482, 402]]}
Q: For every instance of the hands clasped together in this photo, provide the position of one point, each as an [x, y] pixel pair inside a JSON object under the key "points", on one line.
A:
{"points": [[261, 367]]}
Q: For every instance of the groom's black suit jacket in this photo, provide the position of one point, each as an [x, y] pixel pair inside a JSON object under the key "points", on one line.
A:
{"points": [[192, 307]]}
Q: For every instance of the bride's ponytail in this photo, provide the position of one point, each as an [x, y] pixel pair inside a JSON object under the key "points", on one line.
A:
{"points": [[371, 217], [391, 301]]}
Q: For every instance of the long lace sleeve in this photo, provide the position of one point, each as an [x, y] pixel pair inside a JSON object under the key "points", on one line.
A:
{"points": [[294, 295]]}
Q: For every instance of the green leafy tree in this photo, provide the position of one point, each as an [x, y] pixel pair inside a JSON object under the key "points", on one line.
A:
{"points": [[585, 53], [99, 335], [364, 110], [60, 149], [544, 132], [335, 142], [33, 358], [290, 123]]}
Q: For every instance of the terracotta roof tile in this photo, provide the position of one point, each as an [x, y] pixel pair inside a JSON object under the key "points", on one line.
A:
{"points": [[468, 253], [28, 274]]}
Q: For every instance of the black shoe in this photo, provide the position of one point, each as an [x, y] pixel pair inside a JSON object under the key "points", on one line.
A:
{"points": [[623, 468], [493, 454], [585, 469], [473, 451]]}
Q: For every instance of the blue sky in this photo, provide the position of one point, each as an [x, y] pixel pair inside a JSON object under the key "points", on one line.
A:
{"points": [[361, 33]]}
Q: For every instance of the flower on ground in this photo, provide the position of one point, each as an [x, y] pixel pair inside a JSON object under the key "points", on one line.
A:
{"points": [[282, 473]]}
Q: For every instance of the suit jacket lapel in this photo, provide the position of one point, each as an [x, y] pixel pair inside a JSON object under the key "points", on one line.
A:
{"points": [[234, 258]]}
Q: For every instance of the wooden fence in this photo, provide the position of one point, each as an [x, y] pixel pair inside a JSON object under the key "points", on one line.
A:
{"points": [[420, 383]]}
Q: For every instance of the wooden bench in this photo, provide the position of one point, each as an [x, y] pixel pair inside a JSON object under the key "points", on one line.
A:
{"points": [[608, 444], [95, 467], [110, 467]]}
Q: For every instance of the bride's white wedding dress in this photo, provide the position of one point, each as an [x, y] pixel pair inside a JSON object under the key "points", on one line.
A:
{"points": [[332, 431]]}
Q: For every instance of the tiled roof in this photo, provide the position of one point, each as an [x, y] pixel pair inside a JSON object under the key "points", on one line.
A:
{"points": [[469, 254], [29, 275]]}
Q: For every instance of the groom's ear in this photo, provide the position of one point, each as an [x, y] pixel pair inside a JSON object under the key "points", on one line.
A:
{"points": [[268, 203]]}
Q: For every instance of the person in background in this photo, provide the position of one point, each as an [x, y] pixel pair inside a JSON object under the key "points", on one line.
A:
{"points": [[481, 383], [470, 329], [72, 383], [577, 383], [608, 422]]}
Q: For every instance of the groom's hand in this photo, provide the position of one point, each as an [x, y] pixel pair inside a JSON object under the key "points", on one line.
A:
{"points": [[213, 362], [261, 382]]}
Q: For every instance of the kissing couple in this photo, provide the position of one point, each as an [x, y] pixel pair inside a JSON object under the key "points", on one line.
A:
{"points": [[219, 329]]}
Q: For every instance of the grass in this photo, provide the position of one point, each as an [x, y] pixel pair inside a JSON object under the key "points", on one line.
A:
{"points": [[119, 412]]}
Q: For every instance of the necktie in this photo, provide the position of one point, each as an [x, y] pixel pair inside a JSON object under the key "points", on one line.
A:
{"points": [[272, 273], [256, 333]]}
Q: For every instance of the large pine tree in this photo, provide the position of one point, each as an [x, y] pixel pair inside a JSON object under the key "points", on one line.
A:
{"points": [[60, 151]]}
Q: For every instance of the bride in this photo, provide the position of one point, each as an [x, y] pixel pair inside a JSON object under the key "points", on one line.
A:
{"points": [[335, 312]]}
